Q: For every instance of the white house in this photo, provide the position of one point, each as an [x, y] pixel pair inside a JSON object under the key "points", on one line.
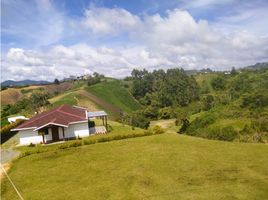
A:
{"points": [[61, 123], [13, 119]]}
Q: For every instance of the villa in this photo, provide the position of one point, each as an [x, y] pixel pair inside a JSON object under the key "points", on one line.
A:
{"points": [[61, 123]]}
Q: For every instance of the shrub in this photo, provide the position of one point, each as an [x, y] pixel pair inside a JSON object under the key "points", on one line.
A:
{"points": [[104, 139], [88, 142], [218, 83], [139, 120], [246, 130], [63, 146], [257, 137], [254, 101], [200, 122], [75, 144], [228, 133], [93, 81], [31, 145], [208, 102], [185, 125], [260, 125], [148, 132], [166, 113], [158, 130]]}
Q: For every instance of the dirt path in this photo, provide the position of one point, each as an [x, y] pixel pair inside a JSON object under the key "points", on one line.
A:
{"points": [[7, 155]]}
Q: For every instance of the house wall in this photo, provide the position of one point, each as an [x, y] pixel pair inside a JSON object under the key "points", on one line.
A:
{"points": [[49, 136], [60, 133], [75, 130], [30, 136]]}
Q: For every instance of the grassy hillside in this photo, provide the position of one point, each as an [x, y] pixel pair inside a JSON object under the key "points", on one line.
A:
{"points": [[109, 95], [115, 94], [167, 166]]}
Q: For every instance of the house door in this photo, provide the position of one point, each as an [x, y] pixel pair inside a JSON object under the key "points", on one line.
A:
{"points": [[55, 133]]}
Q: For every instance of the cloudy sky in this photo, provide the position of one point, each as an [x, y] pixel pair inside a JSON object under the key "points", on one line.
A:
{"points": [[47, 39]]}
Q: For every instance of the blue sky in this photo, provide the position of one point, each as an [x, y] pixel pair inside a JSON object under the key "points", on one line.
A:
{"points": [[45, 39]]}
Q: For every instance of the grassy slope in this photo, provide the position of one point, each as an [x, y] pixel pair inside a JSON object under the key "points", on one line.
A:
{"points": [[115, 94], [167, 166], [110, 96]]}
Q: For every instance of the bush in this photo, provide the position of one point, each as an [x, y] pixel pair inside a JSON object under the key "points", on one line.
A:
{"points": [[218, 83], [93, 81], [208, 102], [75, 144], [31, 145], [260, 124], [63, 146], [255, 101], [228, 134], [88, 142], [185, 125], [158, 130], [139, 120], [166, 113], [200, 122]]}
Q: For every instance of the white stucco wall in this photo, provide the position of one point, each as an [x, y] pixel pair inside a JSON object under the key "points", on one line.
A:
{"points": [[74, 130], [49, 136], [60, 133], [29, 136]]}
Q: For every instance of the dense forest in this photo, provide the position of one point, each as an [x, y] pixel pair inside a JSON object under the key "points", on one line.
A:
{"points": [[216, 105]]}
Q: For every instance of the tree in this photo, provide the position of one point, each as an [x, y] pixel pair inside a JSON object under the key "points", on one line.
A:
{"points": [[218, 83], [233, 71], [185, 125], [56, 81], [139, 120], [39, 99], [208, 102]]}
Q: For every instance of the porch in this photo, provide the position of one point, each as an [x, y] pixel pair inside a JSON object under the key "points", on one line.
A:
{"points": [[97, 122], [52, 133]]}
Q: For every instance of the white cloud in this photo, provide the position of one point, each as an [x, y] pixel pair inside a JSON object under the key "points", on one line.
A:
{"points": [[37, 23], [173, 40], [106, 21]]}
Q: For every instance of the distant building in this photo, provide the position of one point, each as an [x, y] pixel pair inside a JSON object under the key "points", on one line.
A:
{"points": [[13, 119]]}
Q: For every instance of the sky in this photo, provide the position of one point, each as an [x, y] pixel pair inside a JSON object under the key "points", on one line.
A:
{"points": [[48, 39]]}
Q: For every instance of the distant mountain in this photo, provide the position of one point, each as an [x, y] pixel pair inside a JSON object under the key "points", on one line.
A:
{"points": [[10, 83], [258, 66]]}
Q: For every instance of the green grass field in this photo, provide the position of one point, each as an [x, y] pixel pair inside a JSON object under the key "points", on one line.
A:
{"points": [[167, 166], [115, 94]]}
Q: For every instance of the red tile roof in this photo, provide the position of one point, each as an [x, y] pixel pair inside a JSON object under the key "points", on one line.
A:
{"points": [[62, 115]]}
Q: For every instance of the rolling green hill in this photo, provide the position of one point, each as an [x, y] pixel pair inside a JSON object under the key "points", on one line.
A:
{"points": [[167, 166], [114, 93]]}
